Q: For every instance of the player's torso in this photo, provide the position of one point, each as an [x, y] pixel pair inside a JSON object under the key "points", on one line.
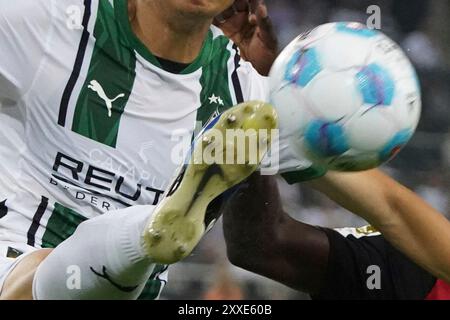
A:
{"points": [[103, 126]]}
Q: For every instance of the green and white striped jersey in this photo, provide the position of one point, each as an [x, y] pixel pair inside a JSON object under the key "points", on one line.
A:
{"points": [[91, 121]]}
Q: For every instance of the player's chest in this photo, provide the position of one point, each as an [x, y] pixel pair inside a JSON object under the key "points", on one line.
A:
{"points": [[109, 98], [119, 139], [96, 86]]}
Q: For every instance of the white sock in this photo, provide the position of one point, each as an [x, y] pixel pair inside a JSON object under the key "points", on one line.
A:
{"points": [[103, 259]]}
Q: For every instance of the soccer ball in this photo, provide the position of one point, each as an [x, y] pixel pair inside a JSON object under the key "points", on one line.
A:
{"points": [[347, 96]]}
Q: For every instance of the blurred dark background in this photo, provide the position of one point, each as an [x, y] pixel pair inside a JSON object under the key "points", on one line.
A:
{"points": [[422, 28]]}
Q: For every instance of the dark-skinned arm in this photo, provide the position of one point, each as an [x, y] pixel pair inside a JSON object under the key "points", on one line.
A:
{"points": [[263, 239], [260, 236]]}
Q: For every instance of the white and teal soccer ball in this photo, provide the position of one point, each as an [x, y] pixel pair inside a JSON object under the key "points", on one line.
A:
{"points": [[348, 96]]}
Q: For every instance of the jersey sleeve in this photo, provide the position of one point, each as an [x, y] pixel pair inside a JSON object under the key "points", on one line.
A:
{"points": [[281, 159], [363, 265], [24, 28]]}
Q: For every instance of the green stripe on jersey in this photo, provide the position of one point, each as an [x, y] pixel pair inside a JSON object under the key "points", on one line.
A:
{"points": [[215, 94], [62, 224], [304, 175], [109, 82], [153, 286]]}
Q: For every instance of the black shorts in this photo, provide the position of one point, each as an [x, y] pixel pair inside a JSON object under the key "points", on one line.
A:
{"points": [[363, 265]]}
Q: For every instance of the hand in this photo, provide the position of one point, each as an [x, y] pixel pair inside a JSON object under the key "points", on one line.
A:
{"points": [[247, 24]]}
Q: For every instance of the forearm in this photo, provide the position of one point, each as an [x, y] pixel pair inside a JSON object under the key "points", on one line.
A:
{"points": [[262, 238], [405, 220], [367, 194], [252, 218]]}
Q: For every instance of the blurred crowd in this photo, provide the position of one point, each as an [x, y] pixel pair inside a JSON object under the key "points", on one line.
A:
{"points": [[421, 28]]}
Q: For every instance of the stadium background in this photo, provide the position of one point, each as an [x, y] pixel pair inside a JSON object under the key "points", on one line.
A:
{"points": [[421, 28]]}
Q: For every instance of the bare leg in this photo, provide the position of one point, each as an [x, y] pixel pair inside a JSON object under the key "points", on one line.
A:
{"points": [[106, 253], [18, 285]]}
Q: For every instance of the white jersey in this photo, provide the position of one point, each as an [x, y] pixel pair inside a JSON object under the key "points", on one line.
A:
{"points": [[89, 114]]}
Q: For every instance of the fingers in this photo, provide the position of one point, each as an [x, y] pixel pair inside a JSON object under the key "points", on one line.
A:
{"points": [[267, 33], [239, 6], [252, 18], [254, 4], [261, 10]]}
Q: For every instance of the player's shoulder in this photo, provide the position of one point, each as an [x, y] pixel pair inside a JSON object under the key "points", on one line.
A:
{"points": [[33, 7], [219, 44], [33, 13], [223, 46], [16, 11]]}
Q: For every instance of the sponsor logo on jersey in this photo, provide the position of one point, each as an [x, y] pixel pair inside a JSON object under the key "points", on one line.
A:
{"points": [[97, 87], [97, 181], [216, 100]]}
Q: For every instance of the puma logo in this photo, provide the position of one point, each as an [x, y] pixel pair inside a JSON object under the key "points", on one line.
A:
{"points": [[96, 87], [104, 274]]}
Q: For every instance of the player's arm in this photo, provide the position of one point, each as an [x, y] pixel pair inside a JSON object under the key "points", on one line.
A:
{"points": [[24, 30], [263, 239], [405, 220]]}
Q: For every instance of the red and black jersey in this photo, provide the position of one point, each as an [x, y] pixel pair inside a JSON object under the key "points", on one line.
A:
{"points": [[363, 265]]}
